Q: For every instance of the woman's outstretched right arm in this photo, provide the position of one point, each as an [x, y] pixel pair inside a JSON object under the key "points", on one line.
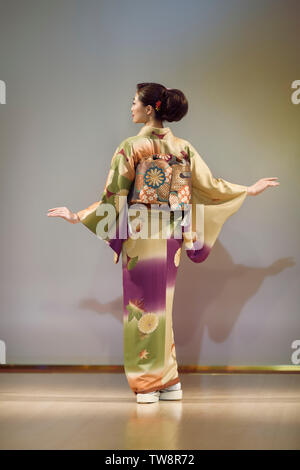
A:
{"points": [[119, 180]]}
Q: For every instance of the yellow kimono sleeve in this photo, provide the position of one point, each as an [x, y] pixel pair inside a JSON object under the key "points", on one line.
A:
{"points": [[213, 200], [117, 186]]}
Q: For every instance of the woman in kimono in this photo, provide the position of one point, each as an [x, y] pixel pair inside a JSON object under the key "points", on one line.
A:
{"points": [[153, 173]]}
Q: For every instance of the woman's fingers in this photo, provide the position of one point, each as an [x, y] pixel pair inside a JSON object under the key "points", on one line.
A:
{"points": [[55, 212], [57, 209], [60, 207], [62, 212]]}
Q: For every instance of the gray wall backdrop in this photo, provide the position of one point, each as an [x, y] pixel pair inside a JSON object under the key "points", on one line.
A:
{"points": [[70, 68]]}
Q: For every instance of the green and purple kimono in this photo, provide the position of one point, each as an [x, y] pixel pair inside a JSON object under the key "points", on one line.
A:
{"points": [[156, 172]]}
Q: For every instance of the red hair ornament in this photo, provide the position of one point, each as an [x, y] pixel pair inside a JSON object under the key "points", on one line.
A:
{"points": [[157, 105]]}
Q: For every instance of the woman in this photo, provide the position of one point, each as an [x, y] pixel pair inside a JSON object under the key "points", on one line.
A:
{"points": [[156, 172]]}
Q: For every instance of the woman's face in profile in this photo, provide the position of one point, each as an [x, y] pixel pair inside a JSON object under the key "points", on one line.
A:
{"points": [[138, 110]]}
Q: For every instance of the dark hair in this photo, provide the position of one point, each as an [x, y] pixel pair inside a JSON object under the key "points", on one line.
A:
{"points": [[174, 104]]}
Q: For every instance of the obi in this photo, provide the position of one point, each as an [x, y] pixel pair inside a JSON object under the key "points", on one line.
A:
{"points": [[162, 179]]}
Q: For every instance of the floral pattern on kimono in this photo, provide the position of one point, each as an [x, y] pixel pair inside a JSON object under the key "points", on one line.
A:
{"points": [[141, 170]]}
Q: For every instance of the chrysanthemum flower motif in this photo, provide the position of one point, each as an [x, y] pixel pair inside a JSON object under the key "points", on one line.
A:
{"points": [[154, 177], [164, 156], [185, 194], [168, 174], [177, 257], [148, 195], [143, 354], [148, 323]]}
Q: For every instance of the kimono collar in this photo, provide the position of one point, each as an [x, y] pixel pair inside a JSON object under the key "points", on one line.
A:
{"points": [[159, 132]]}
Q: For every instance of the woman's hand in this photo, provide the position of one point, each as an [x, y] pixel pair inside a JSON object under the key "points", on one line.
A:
{"points": [[261, 185], [65, 213]]}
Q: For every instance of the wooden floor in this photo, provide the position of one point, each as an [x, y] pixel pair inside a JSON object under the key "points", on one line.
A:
{"points": [[99, 411]]}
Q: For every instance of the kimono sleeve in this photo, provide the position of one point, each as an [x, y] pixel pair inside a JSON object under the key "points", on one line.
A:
{"points": [[213, 201], [118, 183]]}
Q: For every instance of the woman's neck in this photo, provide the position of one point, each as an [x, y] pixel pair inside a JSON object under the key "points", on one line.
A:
{"points": [[157, 124]]}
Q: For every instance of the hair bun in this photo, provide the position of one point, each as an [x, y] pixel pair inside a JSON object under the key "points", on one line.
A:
{"points": [[174, 104]]}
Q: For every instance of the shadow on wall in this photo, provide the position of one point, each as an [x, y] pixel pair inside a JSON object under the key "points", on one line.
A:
{"points": [[211, 294]]}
